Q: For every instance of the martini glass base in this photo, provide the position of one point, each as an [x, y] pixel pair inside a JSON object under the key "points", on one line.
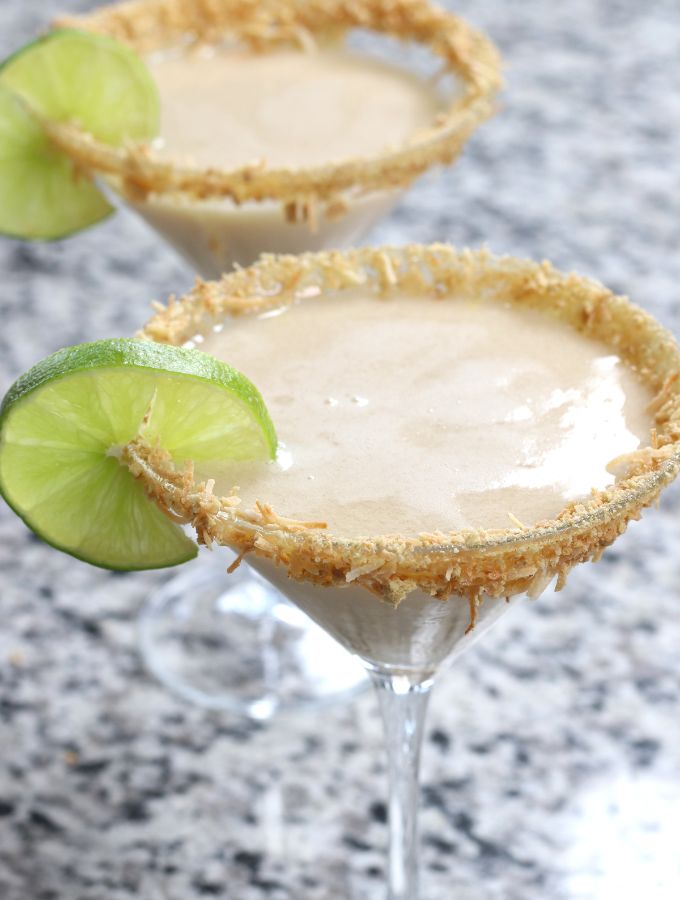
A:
{"points": [[232, 643]]}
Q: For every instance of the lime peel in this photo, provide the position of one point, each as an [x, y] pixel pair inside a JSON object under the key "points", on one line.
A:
{"points": [[65, 426]]}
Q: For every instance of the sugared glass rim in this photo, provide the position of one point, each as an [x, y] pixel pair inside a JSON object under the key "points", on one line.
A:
{"points": [[472, 563], [150, 25]]}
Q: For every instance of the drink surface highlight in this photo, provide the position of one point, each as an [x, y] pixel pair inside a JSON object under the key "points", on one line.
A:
{"points": [[291, 108], [408, 415]]}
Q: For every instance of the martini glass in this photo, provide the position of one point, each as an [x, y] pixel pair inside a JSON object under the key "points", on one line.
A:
{"points": [[217, 219], [407, 606]]}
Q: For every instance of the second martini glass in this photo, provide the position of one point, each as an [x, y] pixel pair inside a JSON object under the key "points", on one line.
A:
{"points": [[319, 137], [217, 216]]}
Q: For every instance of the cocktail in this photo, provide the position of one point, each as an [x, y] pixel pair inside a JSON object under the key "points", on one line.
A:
{"points": [[277, 133], [455, 431], [258, 127]]}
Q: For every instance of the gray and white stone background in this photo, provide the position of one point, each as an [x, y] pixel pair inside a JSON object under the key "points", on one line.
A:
{"points": [[551, 766]]}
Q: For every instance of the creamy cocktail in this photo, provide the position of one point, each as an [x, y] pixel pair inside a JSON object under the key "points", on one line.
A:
{"points": [[228, 108], [274, 135], [455, 431], [411, 414]]}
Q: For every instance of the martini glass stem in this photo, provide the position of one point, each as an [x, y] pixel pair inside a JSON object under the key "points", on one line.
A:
{"points": [[403, 701]]}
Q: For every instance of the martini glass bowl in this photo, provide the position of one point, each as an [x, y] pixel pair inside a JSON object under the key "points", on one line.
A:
{"points": [[216, 219], [405, 606]]}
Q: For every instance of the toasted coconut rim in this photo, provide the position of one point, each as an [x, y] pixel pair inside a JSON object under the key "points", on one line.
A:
{"points": [[469, 563], [152, 25]]}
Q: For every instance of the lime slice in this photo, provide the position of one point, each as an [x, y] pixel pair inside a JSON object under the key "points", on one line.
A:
{"points": [[62, 425], [88, 79]]}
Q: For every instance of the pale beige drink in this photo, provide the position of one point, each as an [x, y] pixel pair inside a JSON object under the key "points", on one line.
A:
{"points": [[286, 108], [425, 396], [457, 430], [403, 415], [283, 128], [283, 109]]}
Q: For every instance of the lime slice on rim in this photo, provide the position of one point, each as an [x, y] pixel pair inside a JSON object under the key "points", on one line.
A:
{"points": [[64, 421], [88, 79]]}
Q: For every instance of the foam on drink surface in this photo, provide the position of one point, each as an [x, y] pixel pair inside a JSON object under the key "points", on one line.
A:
{"points": [[291, 108], [405, 415]]}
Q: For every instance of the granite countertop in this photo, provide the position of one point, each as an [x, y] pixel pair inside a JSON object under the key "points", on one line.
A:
{"points": [[552, 761]]}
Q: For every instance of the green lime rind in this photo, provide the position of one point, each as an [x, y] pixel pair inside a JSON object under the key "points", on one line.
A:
{"points": [[41, 195], [90, 80], [62, 423]]}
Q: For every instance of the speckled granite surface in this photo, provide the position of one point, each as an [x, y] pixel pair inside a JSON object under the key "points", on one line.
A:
{"points": [[552, 761]]}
